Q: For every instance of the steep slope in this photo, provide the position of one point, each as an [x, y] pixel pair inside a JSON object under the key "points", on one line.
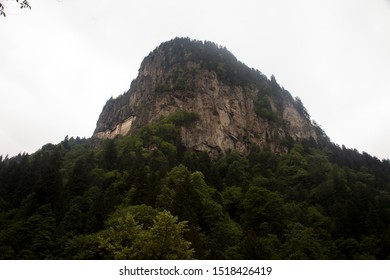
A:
{"points": [[237, 106]]}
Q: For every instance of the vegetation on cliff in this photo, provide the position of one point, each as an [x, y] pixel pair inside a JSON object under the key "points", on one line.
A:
{"points": [[179, 52], [179, 66]]}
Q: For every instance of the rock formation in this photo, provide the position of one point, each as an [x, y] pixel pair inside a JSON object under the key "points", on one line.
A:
{"points": [[237, 106]]}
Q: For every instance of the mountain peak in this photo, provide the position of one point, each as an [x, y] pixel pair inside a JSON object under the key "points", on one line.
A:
{"points": [[237, 106]]}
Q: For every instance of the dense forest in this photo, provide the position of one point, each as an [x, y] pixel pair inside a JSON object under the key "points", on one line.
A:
{"points": [[147, 197]]}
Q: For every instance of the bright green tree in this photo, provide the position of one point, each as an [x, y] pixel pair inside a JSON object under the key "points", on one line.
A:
{"points": [[164, 240], [125, 238]]}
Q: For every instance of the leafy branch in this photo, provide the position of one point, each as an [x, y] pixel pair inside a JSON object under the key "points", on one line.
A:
{"points": [[23, 5]]}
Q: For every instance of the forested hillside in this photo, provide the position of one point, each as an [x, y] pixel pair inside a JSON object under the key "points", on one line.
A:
{"points": [[148, 197]]}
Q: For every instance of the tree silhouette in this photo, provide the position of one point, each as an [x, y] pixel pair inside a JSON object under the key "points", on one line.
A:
{"points": [[23, 5]]}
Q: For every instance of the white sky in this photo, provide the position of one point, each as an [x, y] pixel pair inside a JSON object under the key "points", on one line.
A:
{"points": [[61, 61]]}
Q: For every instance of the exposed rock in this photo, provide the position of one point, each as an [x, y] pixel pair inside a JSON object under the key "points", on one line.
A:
{"points": [[235, 113]]}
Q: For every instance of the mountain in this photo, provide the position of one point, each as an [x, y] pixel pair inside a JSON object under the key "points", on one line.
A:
{"points": [[203, 158], [237, 107]]}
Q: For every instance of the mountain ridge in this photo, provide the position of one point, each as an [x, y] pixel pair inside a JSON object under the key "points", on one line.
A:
{"points": [[238, 105]]}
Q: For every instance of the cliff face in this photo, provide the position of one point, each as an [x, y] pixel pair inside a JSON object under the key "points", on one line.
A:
{"points": [[237, 106]]}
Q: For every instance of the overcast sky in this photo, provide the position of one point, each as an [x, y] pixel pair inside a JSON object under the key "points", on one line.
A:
{"points": [[61, 61]]}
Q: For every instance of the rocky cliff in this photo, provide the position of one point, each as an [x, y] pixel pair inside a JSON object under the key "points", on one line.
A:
{"points": [[237, 106]]}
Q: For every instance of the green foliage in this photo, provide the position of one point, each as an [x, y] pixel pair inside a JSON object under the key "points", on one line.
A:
{"points": [[263, 208], [301, 109], [146, 197], [182, 118], [164, 240], [268, 104], [179, 51], [126, 238], [302, 243]]}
